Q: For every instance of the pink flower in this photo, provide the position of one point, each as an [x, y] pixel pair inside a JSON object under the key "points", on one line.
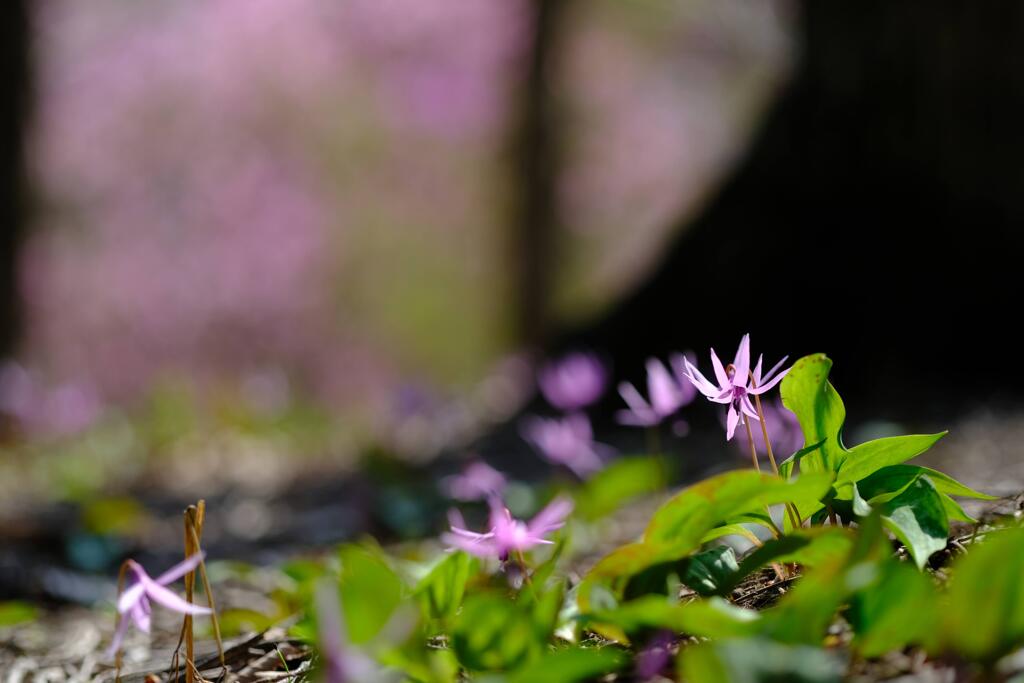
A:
{"points": [[568, 441], [667, 394], [507, 534], [476, 482], [133, 604], [574, 381], [736, 384]]}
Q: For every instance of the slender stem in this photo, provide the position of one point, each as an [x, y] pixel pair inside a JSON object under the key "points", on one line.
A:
{"points": [[794, 514], [764, 431], [832, 519], [750, 440]]}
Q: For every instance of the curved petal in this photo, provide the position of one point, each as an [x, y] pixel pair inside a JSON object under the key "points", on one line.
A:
{"points": [[179, 570], [480, 548], [129, 597], [742, 361], [771, 373], [663, 394], [119, 633], [699, 381], [171, 600], [551, 517], [769, 384], [632, 397], [730, 423], [720, 374]]}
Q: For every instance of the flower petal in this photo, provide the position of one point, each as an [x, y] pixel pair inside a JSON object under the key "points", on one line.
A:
{"points": [[119, 633], [129, 597], [731, 421], [632, 397], [171, 600], [769, 384], [720, 373], [742, 362], [701, 382], [664, 395], [179, 570], [551, 517], [771, 373]]}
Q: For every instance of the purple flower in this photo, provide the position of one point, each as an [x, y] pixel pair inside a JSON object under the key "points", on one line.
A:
{"points": [[736, 384], [507, 534], [476, 482], [568, 441], [783, 429], [133, 604], [574, 381], [667, 394]]}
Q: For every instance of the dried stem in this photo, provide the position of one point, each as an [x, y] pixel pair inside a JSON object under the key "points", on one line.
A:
{"points": [[195, 516]]}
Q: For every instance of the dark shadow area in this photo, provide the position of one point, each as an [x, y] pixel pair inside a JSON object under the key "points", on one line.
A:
{"points": [[877, 216]]}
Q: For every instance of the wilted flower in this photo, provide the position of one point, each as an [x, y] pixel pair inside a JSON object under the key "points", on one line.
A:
{"points": [[667, 394], [574, 381], [476, 482], [507, 534], [736, 384], [568, 441], [783, 426], [133, 604]]}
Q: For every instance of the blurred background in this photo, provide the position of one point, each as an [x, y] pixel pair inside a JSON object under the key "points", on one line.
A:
{"points": [[265, 251]]}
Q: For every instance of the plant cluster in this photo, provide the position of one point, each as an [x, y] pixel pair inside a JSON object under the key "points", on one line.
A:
{"points": [[849, 545]]}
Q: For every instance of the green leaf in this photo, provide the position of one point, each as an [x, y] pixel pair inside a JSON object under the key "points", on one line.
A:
{"points": [[711, 618], [441, 591], [370, 592], [918, 519], [898, 609], [678, 526], [684, 519], [15, 612], [492, 633], [572, 664], [707, 571], [867, 458], [984, 614], [756, 660], [808, 547], [620, 481], [806, 391]]}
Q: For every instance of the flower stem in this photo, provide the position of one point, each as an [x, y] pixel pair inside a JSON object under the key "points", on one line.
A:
{"points": [[794, 514], [750, 440]]}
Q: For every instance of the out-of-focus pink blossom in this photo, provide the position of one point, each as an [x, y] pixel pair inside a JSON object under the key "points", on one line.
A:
{"points": [[339, 662], [478, 481], [567, 441], [134, 607], [667, 393], [736, 384], [40, 410], [574, 381], [506, 534], [783, 429]]}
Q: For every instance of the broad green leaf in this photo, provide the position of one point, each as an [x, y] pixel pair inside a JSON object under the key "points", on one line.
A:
{"points": [[868, 458], [370, 592], [898, 609], [983, 618], [492, 633], [684, 519], [756, 660], [571, 664], [710, 618], [918, 519], [440, 592], [727, 530], [954, 511], [806, 391], [896, 477], [620, 481]]}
